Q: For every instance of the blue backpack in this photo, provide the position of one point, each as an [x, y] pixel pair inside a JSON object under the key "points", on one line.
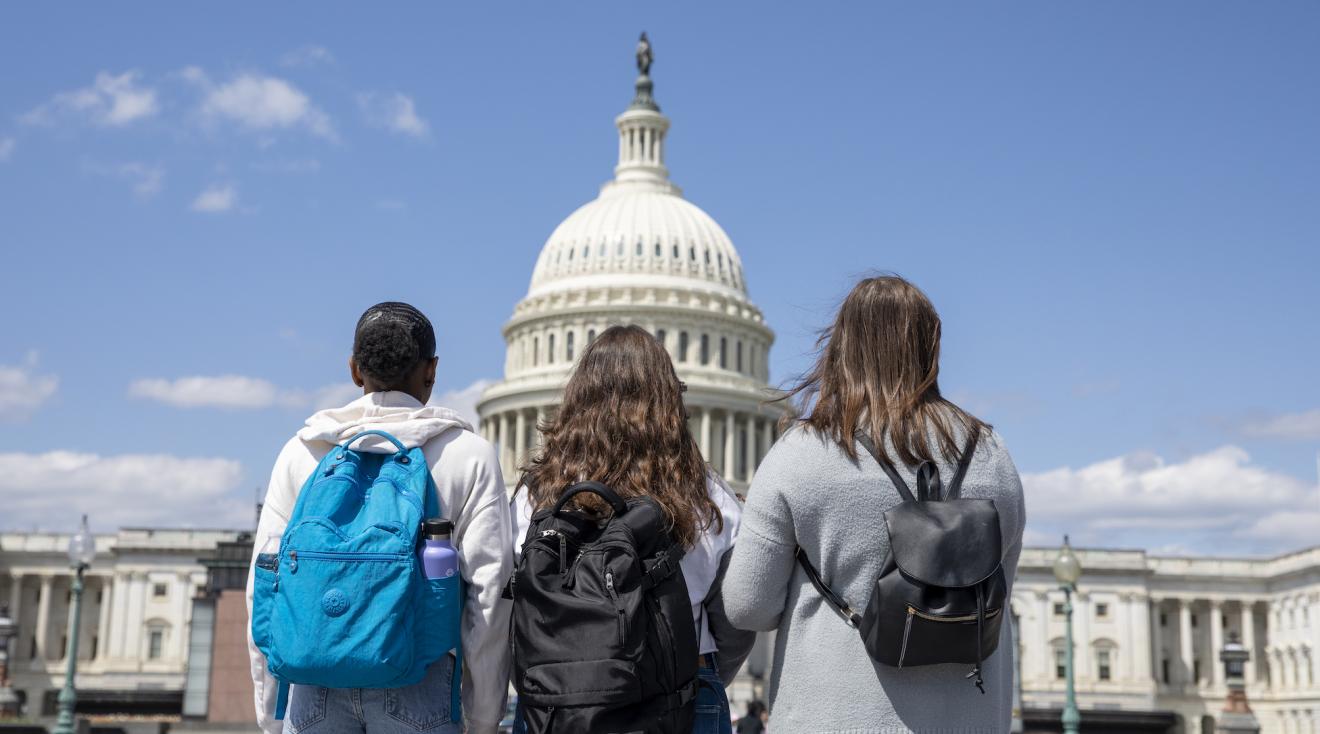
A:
{"points": [[345, 603]]}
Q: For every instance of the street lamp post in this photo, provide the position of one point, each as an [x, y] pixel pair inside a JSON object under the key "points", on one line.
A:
{"points": [[1067, 570], [82, 548], [1236, 718]]}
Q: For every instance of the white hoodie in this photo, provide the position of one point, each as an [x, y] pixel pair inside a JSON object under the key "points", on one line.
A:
{"points": [[471, 493]]}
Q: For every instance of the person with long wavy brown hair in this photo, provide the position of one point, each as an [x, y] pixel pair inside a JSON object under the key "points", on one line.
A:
{"points": [[622, 423], [816, 493]]}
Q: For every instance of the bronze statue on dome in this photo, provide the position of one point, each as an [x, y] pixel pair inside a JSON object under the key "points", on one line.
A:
{"points": [[644, 56]]}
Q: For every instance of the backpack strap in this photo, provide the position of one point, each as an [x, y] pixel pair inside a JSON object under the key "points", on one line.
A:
{"points": [[955, 487], [665, 564], [899, 484], [600, 490], [281, 699], [834, 600]]}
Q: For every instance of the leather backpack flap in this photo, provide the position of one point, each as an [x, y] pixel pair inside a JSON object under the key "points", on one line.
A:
{"points": [[950, 544]]}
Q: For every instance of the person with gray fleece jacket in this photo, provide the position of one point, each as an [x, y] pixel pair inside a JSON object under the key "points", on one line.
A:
{"points": [[824, 493]]}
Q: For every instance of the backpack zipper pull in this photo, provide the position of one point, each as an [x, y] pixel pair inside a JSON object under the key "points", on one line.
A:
{"points": [[563, 551]]}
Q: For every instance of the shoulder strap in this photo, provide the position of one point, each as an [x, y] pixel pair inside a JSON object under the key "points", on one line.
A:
{"points": [[833, 599], [899, 484], [955, 487]]}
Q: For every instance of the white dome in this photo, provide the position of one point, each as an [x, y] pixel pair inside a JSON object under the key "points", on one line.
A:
{"points": [[638, 233]]}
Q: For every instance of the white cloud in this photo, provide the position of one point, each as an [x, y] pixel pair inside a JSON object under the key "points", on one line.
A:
{"points": [[463, 400], [260, 103], [225, 391], [146, 179], [124, 490], [1304, 426], [1217, 502], [6, 148], [237, 392], [215, 198], [309, 55], [22, 390], [111, 100], [393, 111]]}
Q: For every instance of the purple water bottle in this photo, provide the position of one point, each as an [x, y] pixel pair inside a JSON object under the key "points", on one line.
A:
{"points": [[439, 559]]}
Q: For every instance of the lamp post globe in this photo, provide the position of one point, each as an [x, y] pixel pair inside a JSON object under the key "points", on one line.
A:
{"points": [[82, 550], [1068, 570]]}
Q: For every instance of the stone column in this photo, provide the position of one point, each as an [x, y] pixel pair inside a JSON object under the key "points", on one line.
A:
{"points": [[1127, 630], [504, 445], [43, 617], [1083, 669], [1249, 640], [103, 620], [180, 641], [519, 438], [1185, 650], [1157, 644], [730, 466], [1045, 661], [750, 448], [1216, 676], [16, 603], [705, 434]]}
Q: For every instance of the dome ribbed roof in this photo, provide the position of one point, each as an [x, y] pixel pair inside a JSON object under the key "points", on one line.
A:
{"points": [[638, 229]]}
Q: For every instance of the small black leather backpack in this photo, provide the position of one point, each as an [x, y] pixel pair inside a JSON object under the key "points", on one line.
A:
{"points": [[941, 594], [602, 632]]}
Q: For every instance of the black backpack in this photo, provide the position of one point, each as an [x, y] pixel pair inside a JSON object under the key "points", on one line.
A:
{"points": [[941, 594], [603, 639]]}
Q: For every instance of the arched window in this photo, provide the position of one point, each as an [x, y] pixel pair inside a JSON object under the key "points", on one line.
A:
{"points": [[660, 336], [586, 251], [675, 250], [568, 345], [1060, 659], [682, 346], [724, 353], [657, 249], [692, 253], [570, 254], [536, 351], [591, 335], [740, 360], [705, 350], [639, 248], [550, 353], [707, 254]]}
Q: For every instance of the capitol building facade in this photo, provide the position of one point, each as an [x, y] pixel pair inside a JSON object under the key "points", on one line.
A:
{"points": [[1148, 628], [639, 253]]}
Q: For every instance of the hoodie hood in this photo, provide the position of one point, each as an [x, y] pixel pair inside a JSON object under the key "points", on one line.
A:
{"points": [[397, 413]]}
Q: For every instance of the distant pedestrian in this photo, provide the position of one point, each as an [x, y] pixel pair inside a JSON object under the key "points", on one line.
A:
{"points": [[754, 721], [872, 409]]}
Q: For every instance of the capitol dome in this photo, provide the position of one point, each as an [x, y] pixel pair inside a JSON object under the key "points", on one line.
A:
{"points": [[639, 253]]}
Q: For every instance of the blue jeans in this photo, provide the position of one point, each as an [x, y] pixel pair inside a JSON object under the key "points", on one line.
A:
{"points": [[712, 701], [422, 707]]}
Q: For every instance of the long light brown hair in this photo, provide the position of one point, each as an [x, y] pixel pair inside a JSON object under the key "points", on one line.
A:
{"points": [[878, 370], [622, 423]]}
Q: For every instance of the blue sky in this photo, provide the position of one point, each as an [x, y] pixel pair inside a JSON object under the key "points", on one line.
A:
{"points": [[1116, 208]]}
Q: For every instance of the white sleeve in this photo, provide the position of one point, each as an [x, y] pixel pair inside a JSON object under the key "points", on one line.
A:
{"points": [[484, 537], [281, 494]]}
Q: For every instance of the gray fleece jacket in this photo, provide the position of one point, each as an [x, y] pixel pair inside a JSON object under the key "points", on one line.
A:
{"points": [[808, 492]]}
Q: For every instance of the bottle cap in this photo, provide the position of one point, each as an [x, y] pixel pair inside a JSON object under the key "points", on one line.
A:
{"points": [[436, 527]]}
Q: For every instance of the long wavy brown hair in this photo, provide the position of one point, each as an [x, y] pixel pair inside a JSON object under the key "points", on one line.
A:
{"points": [[878, 370], [622, 423]]}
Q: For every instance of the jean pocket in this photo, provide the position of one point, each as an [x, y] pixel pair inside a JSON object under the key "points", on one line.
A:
{"points": [[424, 706], [306, 708]]}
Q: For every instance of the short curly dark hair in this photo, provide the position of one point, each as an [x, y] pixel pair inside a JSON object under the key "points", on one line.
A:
{"points": [[390, 340]]}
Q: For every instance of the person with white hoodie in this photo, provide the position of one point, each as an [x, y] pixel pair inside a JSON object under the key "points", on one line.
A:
{"points": [[394, 363]]}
